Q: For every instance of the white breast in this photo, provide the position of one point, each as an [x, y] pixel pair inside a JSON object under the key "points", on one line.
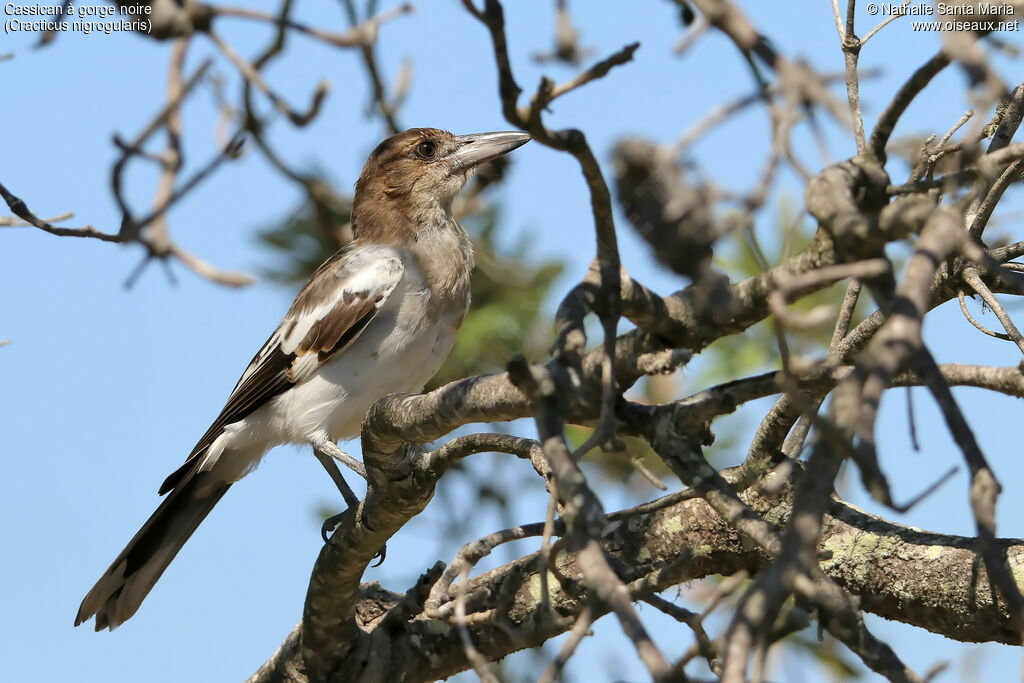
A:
{"points": [[399, 351]]}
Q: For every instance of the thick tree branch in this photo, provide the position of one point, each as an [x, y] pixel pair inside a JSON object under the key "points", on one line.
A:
{"points": [[916, 577]]}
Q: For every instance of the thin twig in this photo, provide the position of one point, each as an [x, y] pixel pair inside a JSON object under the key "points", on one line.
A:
{"points": [[899, 103], [359, 35], [837, 15], [251, 74], [885, 22], [851, 45], [974, 281], [579, 630], [21, 210], [970, 318]]}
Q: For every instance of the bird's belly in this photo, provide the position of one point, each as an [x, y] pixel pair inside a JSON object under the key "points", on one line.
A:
{"points": [[397, 356]]}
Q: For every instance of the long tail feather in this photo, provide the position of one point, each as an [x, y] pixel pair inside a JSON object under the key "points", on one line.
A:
{"points": [[123, 587]]}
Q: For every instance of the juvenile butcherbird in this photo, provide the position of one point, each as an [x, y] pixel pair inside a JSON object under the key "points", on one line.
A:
{"points": [[380, 316]]}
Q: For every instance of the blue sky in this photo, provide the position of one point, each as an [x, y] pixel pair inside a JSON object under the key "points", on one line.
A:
{"points": [[107, 389]]}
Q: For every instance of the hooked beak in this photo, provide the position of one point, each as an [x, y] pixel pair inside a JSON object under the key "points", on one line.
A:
{"points": [[474, 150]]}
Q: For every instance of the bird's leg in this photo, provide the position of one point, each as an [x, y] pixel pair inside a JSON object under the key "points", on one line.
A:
{"points": [[327, 452], [351, 499], [331, 449]]}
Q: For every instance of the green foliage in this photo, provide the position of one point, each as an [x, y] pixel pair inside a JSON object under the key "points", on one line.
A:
{"points": [[756, 350]]}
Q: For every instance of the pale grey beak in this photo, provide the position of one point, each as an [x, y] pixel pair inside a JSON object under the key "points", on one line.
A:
{"points": [[474, 150]]}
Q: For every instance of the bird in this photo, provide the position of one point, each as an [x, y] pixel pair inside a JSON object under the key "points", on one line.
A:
{"points": [[380, 316]]}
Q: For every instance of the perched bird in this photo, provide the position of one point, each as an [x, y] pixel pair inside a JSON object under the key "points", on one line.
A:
{"points": [[380, 316]]}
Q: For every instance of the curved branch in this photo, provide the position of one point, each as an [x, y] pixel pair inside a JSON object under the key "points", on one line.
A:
{"points": [[894, 110]]}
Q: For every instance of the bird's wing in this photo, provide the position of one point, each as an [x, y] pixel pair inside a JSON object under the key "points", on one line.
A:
{"points": [[331, 309]]}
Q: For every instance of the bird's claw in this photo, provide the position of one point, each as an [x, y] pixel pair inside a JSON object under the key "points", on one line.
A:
{"points": [[329, 525], [382, 553], [332, 522]]}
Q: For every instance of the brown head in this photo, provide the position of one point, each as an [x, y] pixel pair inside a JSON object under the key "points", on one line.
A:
{"points": [[411, 178]]}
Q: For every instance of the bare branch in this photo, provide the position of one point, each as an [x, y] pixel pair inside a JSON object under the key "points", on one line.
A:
{"points": [[894, 110]]}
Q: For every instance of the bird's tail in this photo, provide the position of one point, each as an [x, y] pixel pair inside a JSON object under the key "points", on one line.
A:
{"points": [[123, 587]]}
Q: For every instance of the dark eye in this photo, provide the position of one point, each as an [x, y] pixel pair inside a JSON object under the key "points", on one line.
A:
{"points": [[426, 149]]}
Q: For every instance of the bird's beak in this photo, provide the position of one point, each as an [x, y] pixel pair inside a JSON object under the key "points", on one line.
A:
{"points": [[474, 150]]}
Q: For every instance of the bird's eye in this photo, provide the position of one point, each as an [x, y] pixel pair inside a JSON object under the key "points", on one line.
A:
{"points": [[426, 149]]}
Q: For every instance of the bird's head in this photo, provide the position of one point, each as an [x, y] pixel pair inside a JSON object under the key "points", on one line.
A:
{"points": [[418, 172]]}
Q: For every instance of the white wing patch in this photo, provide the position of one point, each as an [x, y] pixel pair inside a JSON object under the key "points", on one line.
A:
{"points": [[371, 273]]}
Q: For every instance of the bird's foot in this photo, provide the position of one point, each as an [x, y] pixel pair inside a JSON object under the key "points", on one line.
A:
{"points": [[330, 524]]}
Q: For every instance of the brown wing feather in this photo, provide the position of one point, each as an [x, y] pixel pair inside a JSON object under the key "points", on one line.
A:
{"points": [[271, 370], [336, 329]]}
